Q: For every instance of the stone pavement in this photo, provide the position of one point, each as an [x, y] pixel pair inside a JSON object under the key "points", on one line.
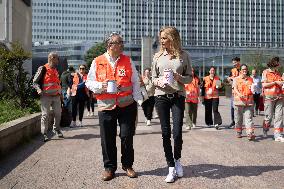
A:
{"points": [[211, 159]]}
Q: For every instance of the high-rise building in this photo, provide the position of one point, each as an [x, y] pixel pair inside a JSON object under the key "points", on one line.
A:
{"points": [[146, 17], [208, 28], [75, 20], [253, 23]]}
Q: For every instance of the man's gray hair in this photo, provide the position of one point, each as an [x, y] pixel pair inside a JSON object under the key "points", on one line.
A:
{"points": [[109, 37], [52, 54]]}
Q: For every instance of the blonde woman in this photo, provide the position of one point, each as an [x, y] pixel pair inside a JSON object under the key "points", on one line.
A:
{"points": [[171, 69]]}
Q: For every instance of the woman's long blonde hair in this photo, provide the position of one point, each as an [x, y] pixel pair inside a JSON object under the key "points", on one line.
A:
{"points": [[173, 35]]}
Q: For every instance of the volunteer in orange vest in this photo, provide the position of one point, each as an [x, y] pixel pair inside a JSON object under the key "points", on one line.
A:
{"points": [[210, 97], [191, 101], [47, 84], [243, 103], [234, 73], [114, 80], [272, 84], [79, 95]]}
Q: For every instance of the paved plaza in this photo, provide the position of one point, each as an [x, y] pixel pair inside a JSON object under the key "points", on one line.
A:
{"points": [[211, 159]]}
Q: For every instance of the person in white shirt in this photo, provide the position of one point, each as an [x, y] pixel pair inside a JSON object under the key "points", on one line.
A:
{"points": [[114, 80], [256, 90]]}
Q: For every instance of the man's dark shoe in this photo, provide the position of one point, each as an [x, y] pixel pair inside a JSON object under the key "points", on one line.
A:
{"points": [[264, 133], [231, 125], [45, 138], [239, 135], [251, 137], [107, 175], [58, 133], [130, 172]]}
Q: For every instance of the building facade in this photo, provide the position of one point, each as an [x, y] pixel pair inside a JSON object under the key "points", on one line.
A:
{"points": [[75, 20], [208, 28], [245, 23], [16, 25]]}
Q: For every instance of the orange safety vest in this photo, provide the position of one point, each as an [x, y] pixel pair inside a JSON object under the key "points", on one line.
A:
{"points": [[122, 74], [244, 87], [274, 91], [192, 91], [76, 81], [51, 83], [210, 87]]}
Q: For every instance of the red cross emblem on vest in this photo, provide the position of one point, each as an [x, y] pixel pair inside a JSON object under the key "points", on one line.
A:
{"points": [[121, 72]]}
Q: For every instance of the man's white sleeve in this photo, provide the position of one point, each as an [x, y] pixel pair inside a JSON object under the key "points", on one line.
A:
{"points": [[91, 82]]}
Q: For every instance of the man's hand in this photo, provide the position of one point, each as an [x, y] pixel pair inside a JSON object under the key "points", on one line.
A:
{"points": [[177, 76], [104, 86], [140, 102], [161, 83], [280, 83], [39, 91]]}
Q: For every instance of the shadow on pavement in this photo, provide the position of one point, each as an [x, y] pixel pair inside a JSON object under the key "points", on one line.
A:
{"points": [[18, 155], [83, 136], [214, 171], [153, 132]]}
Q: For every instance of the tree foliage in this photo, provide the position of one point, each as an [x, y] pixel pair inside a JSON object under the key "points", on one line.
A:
{"points": [[93, 52], [256, 60], [15, 79]]}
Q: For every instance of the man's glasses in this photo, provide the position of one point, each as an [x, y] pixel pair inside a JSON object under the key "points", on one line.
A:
{"points": [[82, 68], [116, 42]]}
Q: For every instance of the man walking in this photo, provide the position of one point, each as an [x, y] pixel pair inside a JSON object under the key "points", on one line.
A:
{"points": [[243, 103], [272, 83], [47, 84], [256, 90], [234, 73], [114, 80]]}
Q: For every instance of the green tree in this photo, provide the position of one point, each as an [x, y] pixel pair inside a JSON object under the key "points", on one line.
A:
{"points": [[256, 60], [15, 79], [93, 52]]}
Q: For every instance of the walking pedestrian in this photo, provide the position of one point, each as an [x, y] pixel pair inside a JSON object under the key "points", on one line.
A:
{"points": [[66, 84], [210, 96], [79, 95], [114, 80], [234, 73], [256, 90], [148, 105], [47, 84], [272, 83], [91, 104], [243, 103], [191, 101], [171, 69]]}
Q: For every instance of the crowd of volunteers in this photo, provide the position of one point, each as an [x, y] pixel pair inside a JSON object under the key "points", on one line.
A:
{"points": [[170, 87]]}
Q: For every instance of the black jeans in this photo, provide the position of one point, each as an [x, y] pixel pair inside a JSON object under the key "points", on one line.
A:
{"points": [[256, 102], [163, 106], [232, 110], [126, 118], [91, 104], [212, 104], [148, 106], [77, 103]]}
